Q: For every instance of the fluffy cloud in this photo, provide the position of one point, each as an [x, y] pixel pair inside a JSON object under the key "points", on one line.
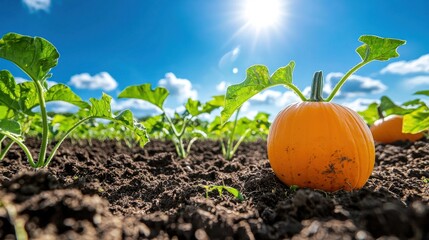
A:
{"points": [[420, 65], [355, 85], [101, 80], [135, 104], [60, 107], [181, 88], [38, 5], [171, 111], [21, 80], [416, 81], [221, 87], [271, 97], [359, 104]]}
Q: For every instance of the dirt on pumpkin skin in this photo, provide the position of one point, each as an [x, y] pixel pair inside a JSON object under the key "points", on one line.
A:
{"points": [[105, 190]]}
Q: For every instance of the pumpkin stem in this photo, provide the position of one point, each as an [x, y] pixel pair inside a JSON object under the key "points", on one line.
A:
{"points": [[380, 113], [317, 88]]}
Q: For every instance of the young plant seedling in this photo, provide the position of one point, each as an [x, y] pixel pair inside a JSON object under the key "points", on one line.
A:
{"points": [[293, 188], [238, 130], [36, 57], [210, 188], [193, 108], [316, 143]]}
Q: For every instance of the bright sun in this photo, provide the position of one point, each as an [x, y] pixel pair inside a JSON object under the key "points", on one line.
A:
{"points": [[262, 14]]}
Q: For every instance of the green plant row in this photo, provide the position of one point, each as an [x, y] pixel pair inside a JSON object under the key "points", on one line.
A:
{"points": [[36, 57]]}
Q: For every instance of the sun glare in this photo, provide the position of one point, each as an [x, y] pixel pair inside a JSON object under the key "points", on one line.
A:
{"points": [[262, 14]]}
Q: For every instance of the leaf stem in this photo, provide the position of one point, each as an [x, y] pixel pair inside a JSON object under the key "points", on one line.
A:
{"points": [[188, 149], [23, 147], [171, 123], [297, 92], [5, 150], [45, 127], [240, 141], [343, 80], [54, 150], [1, 141], [231, 137]]}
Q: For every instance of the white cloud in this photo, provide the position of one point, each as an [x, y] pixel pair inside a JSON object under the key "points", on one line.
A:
{"points": [[355, 85], [21, 80], [38, 5], [249, 114], [416, 81], [222, 86], [61, 107], [271, 97], [359, 104], [136, 104], [102, 80], [181, 88], [245, 107], [420, 65], [170, 111]]}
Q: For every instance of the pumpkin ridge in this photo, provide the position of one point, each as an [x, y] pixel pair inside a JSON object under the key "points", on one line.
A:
{"points": [[368, 143], [357, 151]]}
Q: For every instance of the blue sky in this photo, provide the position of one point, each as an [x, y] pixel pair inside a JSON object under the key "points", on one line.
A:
{"points": [[196, 48]]}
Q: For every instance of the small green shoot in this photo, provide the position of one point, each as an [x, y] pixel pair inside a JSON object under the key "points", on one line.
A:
{"points": [[293, 188], [425, 180], [238, 130], [210, 188], [180, 125]]}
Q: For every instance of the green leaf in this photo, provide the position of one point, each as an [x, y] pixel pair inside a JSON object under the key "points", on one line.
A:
{"points": [[424, 92], [101, 108], [237, 194], [6, 113], [61, 92], [414, 103], [389, 107], [416, 121], [257, 80], [377, 48], [11, 94], [126, 118], [34, 55], [11, 126], [215, 126], [22, 97], [155, 124], [192, 106], [262, 117], [144, 92], [215, 103], [370, 115]]}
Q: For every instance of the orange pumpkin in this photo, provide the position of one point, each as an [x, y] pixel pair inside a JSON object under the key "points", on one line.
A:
{"points": [[389, 130], [321, 145]]}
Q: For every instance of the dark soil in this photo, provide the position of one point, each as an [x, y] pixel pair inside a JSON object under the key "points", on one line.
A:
{"points": [[106, 190]]}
